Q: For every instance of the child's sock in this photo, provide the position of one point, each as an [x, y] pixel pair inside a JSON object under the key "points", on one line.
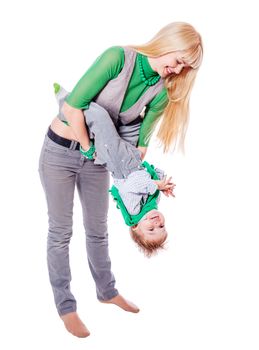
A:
{"points": [[60, 94]]}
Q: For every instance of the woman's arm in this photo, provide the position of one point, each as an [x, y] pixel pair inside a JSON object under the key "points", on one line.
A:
{"points": [[106, 67], [76, 120], [143, 151]]}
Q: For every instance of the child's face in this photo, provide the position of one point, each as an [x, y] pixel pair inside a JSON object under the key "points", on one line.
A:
{"points": [[152, 226]]}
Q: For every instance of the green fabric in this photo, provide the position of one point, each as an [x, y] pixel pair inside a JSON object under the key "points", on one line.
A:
{"points": [[56, 88], [151, 203], [90, 153], [108, 66]]}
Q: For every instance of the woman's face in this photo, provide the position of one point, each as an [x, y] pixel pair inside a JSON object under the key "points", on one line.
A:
{"points": [[171, 63]]}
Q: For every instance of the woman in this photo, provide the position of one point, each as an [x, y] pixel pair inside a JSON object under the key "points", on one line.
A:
{"points": [[157, 76]]}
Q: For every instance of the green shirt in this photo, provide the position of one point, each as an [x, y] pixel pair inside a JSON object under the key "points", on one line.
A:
{"points": [[151, 202], [108, 66]]}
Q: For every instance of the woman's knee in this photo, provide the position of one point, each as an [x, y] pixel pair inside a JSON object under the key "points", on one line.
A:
{"points": [[96, 230], [60, 232]]}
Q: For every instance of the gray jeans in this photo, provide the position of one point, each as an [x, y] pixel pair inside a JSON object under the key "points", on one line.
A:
{"points": [[118, 156], [61, 169]]}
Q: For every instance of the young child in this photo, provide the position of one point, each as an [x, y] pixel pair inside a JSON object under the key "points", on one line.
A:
{"points": [[137, 185]]}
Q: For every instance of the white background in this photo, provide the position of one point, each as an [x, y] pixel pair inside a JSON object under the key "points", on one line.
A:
{"points": [[202, 293]]}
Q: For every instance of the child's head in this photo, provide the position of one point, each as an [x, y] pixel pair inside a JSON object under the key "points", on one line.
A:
{"points": [[150, 233]]}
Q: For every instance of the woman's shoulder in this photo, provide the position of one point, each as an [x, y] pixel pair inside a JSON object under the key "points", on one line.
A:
{"points": [[112, 57], [114, 52], [117, 53]]}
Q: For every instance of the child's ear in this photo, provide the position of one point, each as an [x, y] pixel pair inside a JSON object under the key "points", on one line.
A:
{"points": [[134, 227]]}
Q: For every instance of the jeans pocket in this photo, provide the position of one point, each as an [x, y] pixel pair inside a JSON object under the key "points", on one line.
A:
{"points": [[54, 147], [59, 156]]}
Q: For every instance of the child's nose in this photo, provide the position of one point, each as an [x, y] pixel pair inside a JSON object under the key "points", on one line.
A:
{"points": [[175, 63], [157, 221]]}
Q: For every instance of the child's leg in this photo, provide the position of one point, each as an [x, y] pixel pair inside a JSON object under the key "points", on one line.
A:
{"points": [[118, 156], [60, 94], [130, 132]]}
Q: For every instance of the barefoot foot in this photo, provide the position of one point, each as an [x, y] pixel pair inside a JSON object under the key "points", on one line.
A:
{"points": [[122, 303], [74, 325]]}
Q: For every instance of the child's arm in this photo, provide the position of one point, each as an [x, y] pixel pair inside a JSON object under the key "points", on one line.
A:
{"points": [[139, 182], [132, 190]]}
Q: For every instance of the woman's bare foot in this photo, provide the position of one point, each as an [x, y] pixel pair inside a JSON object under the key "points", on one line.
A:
{"points": [[74, 325], [123, 303]]}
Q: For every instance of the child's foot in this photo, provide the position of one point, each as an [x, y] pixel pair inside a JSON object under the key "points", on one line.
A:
{"points": [[74, 325], [61, 95], [57, 87], [123, 303]]}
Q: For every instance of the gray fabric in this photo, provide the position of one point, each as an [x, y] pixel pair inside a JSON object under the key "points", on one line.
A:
{"points": [[111, 96], [60, 97], [61, 169], [122, 159], [118, 156], [129, 133], [135, 189]]}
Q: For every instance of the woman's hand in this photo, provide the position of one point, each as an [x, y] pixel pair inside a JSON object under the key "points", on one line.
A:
{"points": [[143, 151]]}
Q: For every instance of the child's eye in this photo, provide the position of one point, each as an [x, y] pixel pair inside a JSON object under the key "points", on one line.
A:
{"points": [[151, 229], [161, 226]]}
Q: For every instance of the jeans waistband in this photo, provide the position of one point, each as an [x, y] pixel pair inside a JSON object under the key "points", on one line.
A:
{"points": [[74, 145]]}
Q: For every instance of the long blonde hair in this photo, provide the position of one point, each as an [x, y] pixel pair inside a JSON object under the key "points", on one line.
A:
{"points": [[176, 36]]}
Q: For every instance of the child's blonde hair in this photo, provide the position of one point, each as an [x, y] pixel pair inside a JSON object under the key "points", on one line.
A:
{"points": [[148, 247], [176, 36]]}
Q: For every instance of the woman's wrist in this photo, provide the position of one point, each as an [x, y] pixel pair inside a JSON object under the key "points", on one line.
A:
{"points": [[85, 147], [89, 153], [143, 151]]}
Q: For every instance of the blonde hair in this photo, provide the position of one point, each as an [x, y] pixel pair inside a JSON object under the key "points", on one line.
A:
{"points": [[176, 36], [148, 247]]}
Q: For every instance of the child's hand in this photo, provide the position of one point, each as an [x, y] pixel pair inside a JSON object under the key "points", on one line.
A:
{"points": [[169, 192], [165, 184]]}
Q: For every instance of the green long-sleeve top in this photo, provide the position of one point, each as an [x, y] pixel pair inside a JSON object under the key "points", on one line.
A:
{"points": [[108, 66]]}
